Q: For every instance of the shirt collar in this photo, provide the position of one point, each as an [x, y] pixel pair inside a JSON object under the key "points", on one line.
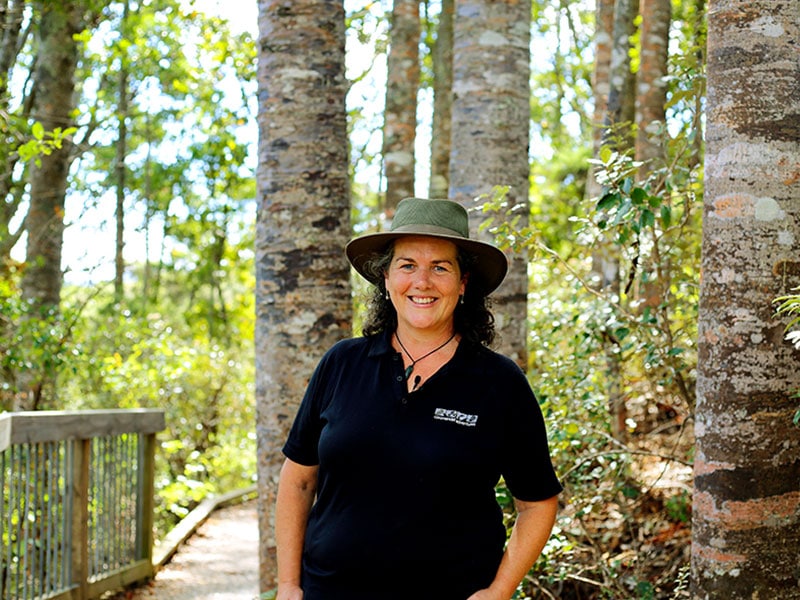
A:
{"points": [[381, 344]]}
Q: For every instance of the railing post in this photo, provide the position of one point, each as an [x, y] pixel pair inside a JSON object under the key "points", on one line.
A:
{"points": [[147, 470], [80, 518]]}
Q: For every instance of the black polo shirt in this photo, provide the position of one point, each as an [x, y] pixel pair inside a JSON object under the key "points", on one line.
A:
{"points": [[406, 489]]}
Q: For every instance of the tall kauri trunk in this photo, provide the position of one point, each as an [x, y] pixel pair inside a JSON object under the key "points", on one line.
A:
{"points": [[490, 137], [621, 104], [651, 84], [439, 180], [302, 277], [616, 23], [400, 113], [746, 511]]}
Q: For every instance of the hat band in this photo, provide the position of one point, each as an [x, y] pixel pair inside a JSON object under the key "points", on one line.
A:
{"points": [[422, 229]]}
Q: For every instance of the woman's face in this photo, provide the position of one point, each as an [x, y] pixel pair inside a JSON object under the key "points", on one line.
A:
{"points": [[424, 283]]}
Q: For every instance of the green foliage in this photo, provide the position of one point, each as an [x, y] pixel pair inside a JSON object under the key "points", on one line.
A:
{"points": [[790, 305], [180, 336], [201, 376], [43, 143], [638, 333], [35, 344], [679, 507]]}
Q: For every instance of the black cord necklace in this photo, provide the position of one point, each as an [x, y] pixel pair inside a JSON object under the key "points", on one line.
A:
{"points": [[414, 361]]}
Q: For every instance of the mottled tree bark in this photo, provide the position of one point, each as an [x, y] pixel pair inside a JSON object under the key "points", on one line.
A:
{"points": [[614, 95], [400, 113], [490, 136], [303, 293], [439, 180], [651, 84], [746, 512], [601, 77], [620, 107]]}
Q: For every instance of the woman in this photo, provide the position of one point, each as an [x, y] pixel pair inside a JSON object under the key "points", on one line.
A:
{"points": [[388, 487]]}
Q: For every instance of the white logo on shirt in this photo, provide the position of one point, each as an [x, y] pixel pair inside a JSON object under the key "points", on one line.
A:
{"points": [[454, 416]]}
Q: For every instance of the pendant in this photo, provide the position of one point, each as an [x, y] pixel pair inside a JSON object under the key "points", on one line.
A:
{"points": [[409, 370]]}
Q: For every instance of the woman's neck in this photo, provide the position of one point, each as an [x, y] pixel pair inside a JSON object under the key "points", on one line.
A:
{"points": [[418, 341]]}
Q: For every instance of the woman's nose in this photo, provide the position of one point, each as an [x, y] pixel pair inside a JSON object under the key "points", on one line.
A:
{"points": [[422, 278]]}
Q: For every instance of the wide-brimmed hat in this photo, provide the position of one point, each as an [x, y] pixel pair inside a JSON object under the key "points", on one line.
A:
{"points": [[443, 219]]}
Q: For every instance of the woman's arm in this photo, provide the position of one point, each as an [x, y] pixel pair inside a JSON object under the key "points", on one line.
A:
{"points": [[530, 533], [296, 489]]}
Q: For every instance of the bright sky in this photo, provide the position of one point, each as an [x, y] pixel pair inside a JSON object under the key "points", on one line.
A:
{"points": [[242, 14]]}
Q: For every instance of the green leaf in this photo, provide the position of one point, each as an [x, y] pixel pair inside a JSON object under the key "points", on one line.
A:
{"points": [[666, 216], [638, 196], [608, 200], [627, 185], [647, 219], [623, 210], [37, 130], [621, 333]]}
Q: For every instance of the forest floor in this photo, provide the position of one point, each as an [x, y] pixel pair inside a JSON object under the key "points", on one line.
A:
{"points": [[634, 542]]}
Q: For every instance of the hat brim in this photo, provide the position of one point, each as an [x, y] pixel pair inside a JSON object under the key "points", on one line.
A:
{"points": [[487, 271]]}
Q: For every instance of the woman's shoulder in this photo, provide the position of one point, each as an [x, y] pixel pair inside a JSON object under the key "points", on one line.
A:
{"points": [[494, 360], [348, 348]]}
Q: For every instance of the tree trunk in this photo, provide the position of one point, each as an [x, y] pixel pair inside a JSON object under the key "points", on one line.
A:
{"points": [[400, 114], [620, 110], [601, 78], [614, 93], [651, 97], [490, 137], [746, 511], [11, 190], [601, 83], [302, 277], [122, 153], [442, 104], [53, 103]]}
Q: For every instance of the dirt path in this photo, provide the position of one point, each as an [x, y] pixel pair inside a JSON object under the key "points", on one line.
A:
{"points": [[219, 562]]}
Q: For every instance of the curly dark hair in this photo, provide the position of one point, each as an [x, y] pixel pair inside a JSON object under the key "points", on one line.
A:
{"points": [[473, 319]]}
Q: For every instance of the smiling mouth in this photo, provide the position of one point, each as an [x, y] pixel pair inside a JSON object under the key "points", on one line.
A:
{"points": [[423, 301]]}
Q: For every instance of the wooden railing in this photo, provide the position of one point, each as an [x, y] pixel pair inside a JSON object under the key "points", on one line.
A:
{"points": [[76, 510]]}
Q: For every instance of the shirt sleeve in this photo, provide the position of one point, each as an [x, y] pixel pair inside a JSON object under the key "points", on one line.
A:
{"points": [[302, 443], [527, 467]]}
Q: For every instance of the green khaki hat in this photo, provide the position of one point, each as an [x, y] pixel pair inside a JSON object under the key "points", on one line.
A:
{"points": [[443, 219]]}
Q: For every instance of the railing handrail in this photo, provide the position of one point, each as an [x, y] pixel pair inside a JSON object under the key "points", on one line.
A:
{"points": [[33, 427]]}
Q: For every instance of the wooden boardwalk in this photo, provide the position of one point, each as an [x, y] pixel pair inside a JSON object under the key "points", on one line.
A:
{"points": [[218, 562]]}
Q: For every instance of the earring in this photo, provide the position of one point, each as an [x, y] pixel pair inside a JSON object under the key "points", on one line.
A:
{"points": [[387, 294], [461, 299]]}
